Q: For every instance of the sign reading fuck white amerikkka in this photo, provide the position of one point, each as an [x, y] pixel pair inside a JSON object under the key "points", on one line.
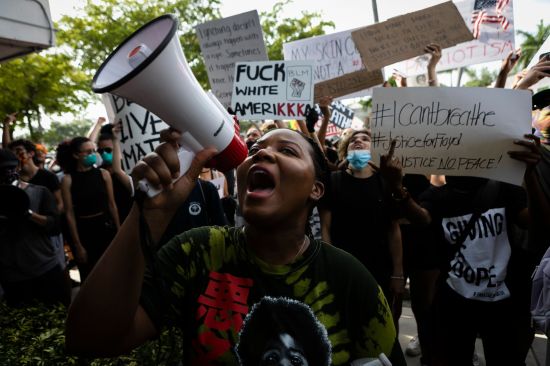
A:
{"points": [[273, 89], [452, 131]]}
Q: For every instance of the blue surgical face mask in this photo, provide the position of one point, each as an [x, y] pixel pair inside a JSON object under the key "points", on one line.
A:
{"points": [[107, 158], [89, 160], [358, 159]]}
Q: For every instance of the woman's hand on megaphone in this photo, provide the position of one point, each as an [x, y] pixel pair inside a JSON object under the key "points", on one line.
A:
{"points": [[160, 168]]}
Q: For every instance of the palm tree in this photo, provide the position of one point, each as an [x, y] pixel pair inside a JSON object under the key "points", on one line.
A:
{"points": [[532, 43]]}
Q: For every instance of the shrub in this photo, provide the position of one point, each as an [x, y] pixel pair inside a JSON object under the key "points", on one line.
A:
{"points": [[35, 335]]}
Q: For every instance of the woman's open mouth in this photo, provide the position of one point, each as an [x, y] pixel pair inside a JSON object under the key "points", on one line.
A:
{"points": [[260, 183]]}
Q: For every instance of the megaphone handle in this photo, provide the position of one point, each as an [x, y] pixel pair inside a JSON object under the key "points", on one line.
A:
{"points": [[185, 157]]}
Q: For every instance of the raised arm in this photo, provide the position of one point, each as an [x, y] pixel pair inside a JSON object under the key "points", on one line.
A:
{"points": [[507, 65], [434, 50], [6, 139], [117, 160], [538, 72], [392, 172], [324, 105], [94, 131], [106, 319]]}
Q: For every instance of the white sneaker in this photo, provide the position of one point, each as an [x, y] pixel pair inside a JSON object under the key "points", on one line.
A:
{"points": [[413, 348]]}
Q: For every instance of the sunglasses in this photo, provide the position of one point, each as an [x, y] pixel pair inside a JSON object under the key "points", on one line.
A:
{"points": [[108, 150]]}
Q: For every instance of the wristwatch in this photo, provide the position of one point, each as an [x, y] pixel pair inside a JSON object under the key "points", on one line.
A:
{"points": [[400, 196]]}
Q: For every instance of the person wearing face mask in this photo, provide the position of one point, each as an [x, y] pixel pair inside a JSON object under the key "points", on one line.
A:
{"points": [[356, 216], [108, 148], [29, 265], [90, 208]]}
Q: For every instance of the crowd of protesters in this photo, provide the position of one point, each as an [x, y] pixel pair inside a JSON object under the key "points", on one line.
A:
{"points": [[311, 219]]}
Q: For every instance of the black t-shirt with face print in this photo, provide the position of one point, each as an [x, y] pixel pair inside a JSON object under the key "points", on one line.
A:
{"points": [[207, 281]]}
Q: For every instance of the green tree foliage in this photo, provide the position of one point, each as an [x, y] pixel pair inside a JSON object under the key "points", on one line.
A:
{"points": [[532, 43], [104, 24], [278, 31], [60, 131], [40, 83], [483, 79]]}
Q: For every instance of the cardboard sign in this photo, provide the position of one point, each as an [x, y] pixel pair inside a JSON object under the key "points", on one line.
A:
{"points": [[348, 83], [406, 36], [273, 89], [495, 40], [226, 41], [140, 133], [543, 49], [341, 115], [452, 131]]}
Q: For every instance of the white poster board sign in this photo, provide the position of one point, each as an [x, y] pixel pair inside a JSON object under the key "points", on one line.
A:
{"points": [[495, 39], [273, 89], [543, 49], [452, 131], [140, 133], [333, 55], [226, 41]]}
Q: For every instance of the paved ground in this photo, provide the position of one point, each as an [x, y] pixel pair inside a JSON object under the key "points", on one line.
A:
{"points": [[407, 329]]}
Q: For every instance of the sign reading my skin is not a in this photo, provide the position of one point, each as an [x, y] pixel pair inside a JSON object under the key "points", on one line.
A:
{"points": [[452, 131], [273, 90], [495, 42]]}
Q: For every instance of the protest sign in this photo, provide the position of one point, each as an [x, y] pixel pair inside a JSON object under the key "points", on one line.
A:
{"points": [[495, 39], [333, 55], [452, 131], [273, 89], [348, 83], [341, 115], [226, 41], [140, 133], [406, 36]]}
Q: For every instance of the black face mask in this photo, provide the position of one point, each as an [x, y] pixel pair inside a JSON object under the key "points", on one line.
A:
{"points": [[8, 175], [249, 144], [466, 183]]}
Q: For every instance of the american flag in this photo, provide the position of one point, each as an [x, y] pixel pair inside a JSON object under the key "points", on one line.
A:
{"points": [[489, 11]]}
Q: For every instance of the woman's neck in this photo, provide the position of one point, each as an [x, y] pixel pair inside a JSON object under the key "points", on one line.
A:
{"points": [[277, 246], [365, 172], [82, 168]]}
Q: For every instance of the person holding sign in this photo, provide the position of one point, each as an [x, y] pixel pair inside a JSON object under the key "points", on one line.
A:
{"points": [[356, 217], [486, 286], [206, 280]]}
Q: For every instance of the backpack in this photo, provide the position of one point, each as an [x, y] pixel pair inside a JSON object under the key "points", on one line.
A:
{"points": [[540, 294]]}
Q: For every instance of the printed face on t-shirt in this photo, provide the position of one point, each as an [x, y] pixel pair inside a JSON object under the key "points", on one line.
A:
{"points": [[284, 351]]}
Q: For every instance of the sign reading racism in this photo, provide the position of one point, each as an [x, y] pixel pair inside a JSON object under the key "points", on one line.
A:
{"points": [[226, 41], [273, 89], [452, 131], [140, 133], [491, 21], [407, 35]]}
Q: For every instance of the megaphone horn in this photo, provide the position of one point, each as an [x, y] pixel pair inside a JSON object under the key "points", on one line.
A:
{"points": [[149, 68]]}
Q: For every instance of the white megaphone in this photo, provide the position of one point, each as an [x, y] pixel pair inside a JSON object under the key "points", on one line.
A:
{"points": [[149, 68]]}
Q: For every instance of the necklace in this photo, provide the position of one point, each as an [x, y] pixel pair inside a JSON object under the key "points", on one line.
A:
{"points": [[301, 249]]}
